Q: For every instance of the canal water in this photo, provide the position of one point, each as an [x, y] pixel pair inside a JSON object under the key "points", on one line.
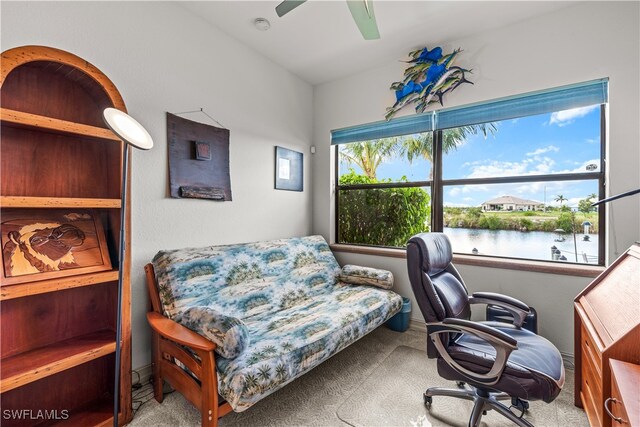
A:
{"points": [[519, 244]]}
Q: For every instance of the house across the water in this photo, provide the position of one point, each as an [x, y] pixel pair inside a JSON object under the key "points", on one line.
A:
{"points": [[511, 203]]}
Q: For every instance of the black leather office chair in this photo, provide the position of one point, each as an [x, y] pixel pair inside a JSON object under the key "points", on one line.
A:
{"points": [[499, 361]]}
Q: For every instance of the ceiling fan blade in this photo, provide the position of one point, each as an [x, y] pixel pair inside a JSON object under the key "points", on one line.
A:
{"points": [[287, 6], [362, 12]]}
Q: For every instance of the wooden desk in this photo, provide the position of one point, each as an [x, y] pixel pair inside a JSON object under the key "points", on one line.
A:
{"points": [[623, 407], [607, 326]]}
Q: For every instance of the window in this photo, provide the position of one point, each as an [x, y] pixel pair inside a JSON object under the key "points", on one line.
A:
{"points": [[506, 186]]}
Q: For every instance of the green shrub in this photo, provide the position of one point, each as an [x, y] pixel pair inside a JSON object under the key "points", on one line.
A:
{"points": [[492, 222], [383, 216], [474, 213], [565, 220], [547, 225], [452, 211], [525, 224]]}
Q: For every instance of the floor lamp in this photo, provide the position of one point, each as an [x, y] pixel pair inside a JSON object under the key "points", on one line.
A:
{"points": [[132, 134]]}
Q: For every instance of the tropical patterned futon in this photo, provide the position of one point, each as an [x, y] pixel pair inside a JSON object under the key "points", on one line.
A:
{"points": [[276, 309]]}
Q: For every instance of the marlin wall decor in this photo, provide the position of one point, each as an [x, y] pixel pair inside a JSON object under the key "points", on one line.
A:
{"points": [[429, 77]]}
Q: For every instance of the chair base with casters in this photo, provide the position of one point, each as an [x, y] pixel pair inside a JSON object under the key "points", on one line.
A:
{"points": [[484, 401], [489, 361]]}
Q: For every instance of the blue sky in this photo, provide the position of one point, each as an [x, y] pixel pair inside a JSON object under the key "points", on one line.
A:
{"points": [[560, 142]]}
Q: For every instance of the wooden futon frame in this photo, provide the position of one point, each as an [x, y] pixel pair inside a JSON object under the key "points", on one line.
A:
{"points": [[169, 338]]}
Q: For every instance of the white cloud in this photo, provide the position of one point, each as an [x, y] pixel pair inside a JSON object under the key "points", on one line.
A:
{"points": [[544, 150], [592, 140], [582, 167], [466, 189], [492, 168], [573, 201], [566, 117], [497, 168]]}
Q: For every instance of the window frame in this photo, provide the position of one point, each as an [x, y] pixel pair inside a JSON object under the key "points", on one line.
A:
{"points": [[438, 184]]}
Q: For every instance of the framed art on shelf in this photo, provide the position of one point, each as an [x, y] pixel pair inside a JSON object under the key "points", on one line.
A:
{"points": [[48, 243], [289, 172]]}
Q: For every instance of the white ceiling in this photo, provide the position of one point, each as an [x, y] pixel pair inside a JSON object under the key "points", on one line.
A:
{"points": [[319, 42]]}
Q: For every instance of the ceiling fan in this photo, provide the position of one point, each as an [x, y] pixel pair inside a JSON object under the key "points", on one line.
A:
{"points": [[361, 10]]}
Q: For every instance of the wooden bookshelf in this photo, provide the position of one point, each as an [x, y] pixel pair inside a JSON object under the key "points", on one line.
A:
{"points": [[42, 362], [57, 336]]}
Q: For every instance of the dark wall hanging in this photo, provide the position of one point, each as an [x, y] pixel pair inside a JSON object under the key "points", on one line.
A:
{"points": [[198, 160], [289, 170], [429, 77]]}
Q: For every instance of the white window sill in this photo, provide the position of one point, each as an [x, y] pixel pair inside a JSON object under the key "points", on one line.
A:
{"points": [[548, 267]]}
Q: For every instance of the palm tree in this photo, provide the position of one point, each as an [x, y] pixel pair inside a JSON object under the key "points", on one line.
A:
{"points": [[560, 198], [420, 146], [368, 155]]}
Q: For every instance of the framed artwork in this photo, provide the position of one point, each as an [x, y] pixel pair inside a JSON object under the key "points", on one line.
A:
{"points": [[40, 244], [203, 150], [289, 170], [198, 160]]}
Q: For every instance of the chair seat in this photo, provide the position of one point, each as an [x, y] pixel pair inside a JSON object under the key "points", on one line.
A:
{"points": [[534, 370]]}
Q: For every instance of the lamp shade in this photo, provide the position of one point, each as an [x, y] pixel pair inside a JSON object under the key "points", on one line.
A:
{"points": [[127, 128]]}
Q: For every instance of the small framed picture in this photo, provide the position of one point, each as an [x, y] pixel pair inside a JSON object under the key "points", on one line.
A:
{"points": [[203, 150], [289, 170], [46, 244]]}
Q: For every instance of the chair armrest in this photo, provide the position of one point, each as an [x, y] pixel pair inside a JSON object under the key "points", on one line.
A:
{"points": [[174, 331], [517, 308], [496, 336], [501, 342]]}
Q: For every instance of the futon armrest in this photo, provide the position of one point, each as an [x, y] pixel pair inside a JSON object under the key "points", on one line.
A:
{"points": [[517, 308], [173, 331], [500, 341]]}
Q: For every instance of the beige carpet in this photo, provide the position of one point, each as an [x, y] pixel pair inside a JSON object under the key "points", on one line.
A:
{"points": [[377, 381], [392, 396]]}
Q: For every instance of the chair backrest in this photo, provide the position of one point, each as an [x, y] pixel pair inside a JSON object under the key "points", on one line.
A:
{"points": [[437, 285]]}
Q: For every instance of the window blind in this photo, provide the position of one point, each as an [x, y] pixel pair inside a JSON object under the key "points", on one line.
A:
{"points": [[384, 129], [529, 104]]}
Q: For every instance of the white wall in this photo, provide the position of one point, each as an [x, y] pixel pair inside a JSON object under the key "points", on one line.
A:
{"points": [[163, 58], [582, 42]]}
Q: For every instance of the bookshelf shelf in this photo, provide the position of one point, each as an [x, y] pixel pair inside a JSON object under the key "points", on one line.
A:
{"points": [[36, 121], [39, 363], [8, 292], [57, 202]]}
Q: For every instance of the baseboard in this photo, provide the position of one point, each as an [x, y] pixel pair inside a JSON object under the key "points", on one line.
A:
{"points": [[418, 325], [568, 360], [144, 374]]}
